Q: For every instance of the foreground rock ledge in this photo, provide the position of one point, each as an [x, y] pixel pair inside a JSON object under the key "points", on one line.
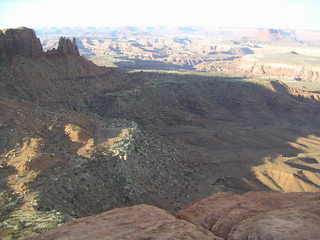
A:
{"points": [[258, 215], [223, 216], [138, 222]]}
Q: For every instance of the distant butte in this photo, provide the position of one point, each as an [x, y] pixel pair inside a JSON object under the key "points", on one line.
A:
{"points": [[19, 41], [24, 42]]}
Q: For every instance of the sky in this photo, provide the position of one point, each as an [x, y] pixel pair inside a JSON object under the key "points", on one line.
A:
{"points": [[293, 14]]}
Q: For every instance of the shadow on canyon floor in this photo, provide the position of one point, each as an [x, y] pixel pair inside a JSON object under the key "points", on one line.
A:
{"points": [[189, 135], [197, 135], [133, 63]]}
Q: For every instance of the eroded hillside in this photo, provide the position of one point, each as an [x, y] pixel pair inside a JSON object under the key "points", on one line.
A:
{"points": [[78, 139]]}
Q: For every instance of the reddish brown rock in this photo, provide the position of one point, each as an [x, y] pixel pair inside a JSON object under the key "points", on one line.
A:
{"points": [[19, 41], [282, 224], [298, 71], [234, 217], [134, 223], [68, 46]]}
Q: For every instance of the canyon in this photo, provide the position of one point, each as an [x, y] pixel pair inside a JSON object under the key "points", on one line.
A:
{"points": [[83, 144], [289, 55]]}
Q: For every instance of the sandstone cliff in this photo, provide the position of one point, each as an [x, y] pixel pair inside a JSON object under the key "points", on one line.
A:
{"points": [[23, 41], [20, 41], [280, 71], [255, 69]]}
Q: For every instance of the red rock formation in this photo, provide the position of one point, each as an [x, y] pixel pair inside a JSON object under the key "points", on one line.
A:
{"points": [[138, 222], [255, 215], [279, 71], [66, 46], [19, 41], [23, 41], [303, 95], [293, 224], [258, 215]]}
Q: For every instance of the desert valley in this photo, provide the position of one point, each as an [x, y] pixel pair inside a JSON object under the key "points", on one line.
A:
{"points": [[159, 133]]}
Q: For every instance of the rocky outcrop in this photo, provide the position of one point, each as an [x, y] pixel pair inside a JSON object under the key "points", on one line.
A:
{"points": [[258, 215], [19, 41], [23, 41], [293, 224], [279, 70], [229, 216], [255, 69], [66, 46], [134, 223]]}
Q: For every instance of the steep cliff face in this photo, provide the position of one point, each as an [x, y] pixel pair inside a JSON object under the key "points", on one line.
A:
{"points": [[249, 68], [23, 41], [67, 46], [20, 41], [282, 71]]}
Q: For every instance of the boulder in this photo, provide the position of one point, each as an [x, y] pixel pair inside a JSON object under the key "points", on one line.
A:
{"points": [[293, 224], [257, 215], [134, 223]]}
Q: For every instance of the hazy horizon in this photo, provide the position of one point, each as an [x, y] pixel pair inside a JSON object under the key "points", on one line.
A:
{"points": [[285, 14]]}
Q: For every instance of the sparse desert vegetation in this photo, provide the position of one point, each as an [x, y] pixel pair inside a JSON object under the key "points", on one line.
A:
{"points": [[78, 139]]}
